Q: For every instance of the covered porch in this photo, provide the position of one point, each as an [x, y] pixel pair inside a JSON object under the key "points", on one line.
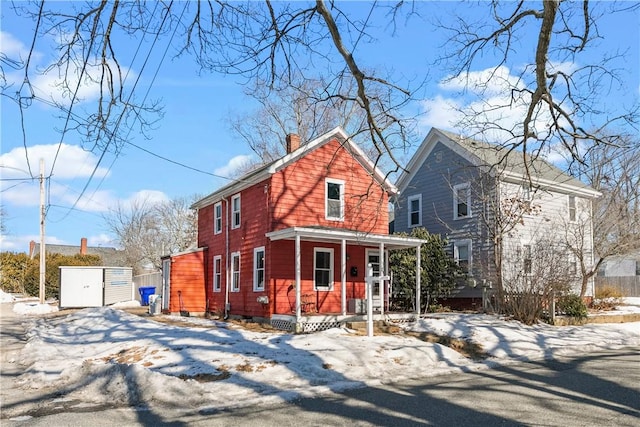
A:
{"points": [[343, 239]]}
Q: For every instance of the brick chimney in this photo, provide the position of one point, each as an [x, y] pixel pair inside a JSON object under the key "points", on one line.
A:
{"points": [[83, 246], [32, 248], [293, 142]]}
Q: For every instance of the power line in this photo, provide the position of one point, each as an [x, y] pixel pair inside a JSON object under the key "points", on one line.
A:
{"points": [[123, 111]]}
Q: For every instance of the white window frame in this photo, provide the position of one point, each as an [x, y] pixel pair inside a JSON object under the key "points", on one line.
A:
{"points": [[339, 182], [572, 210], [526, 192], [456, 252], [235, 213], [217, 273], [256, 286], [217, 220], [331, 270], [235, 275], [527, 259], [410, 199], [466, 187]]}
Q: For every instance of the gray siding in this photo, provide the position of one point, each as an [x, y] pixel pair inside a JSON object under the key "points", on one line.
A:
{"points": [[434, 181]]}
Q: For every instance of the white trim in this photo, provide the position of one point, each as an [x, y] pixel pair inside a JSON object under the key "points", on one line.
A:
{"points": [[265, 172], [216, 229], [235, 225], [410, 199], [257, 288], [435, 135], [332, 235], [331, 269], [551, 185], [217, 272], [456, 188], [339, 182], [235, 284]]}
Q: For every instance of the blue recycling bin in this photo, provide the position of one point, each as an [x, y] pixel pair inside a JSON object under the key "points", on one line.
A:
{"points": [[145, 292]]}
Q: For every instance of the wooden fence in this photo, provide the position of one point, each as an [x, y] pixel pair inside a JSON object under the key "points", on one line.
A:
{"points": [[629, 286]]}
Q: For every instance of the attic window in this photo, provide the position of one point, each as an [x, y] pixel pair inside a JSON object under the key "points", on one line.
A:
{"points": [[462, 201], [415, 210], [334, 199]]}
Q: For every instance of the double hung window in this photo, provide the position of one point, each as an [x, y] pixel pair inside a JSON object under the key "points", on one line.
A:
{"points": [[334, 199]]}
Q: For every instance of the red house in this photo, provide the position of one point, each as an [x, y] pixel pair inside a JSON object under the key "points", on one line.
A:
{"points": [[293, 239]]}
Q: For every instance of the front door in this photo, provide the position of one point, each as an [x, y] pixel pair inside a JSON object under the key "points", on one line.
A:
{"points": [[373, 258]]}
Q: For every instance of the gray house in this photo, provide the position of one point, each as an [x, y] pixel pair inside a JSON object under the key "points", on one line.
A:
{"points": [[109, 256], [497, 208]]}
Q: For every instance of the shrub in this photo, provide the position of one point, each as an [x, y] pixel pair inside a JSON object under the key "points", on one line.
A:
{"points": [[607, 298], [52, 274], [13, 270], [572, 305]]}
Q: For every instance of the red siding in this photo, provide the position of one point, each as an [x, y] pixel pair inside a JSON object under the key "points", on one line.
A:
{"points": [[298, 192], [188, 280], [294, 196], [283, 276]]}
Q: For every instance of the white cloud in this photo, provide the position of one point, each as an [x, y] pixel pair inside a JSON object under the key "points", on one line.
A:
{"points": [[485, 102], [233, 165], [72, 162], [151, 197], [103, 240], [49, 84], [490, 81], [46, 78], [12, 47]]}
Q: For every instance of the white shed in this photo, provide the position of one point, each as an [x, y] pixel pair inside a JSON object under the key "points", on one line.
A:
{"points": [[90, 286]]}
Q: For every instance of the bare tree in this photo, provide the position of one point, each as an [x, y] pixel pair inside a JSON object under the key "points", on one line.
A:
{"points": [[538, 273], [558, 94], [291, 110], [147, 231], [615, 172], [276, 45]]}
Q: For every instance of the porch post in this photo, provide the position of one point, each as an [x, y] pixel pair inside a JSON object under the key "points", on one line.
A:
{"points": [[381, 282], [343, 289], [298, 310], [369, 289], [418, 271]]}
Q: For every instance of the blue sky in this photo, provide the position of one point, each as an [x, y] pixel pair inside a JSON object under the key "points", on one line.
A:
{"points": [[194, 132]]}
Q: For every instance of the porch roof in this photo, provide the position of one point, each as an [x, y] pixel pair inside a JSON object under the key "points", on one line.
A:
{"points": [[352, 237]]}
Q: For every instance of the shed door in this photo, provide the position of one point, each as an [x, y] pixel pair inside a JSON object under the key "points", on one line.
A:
{"points": [[81, 287], [166, 282]]}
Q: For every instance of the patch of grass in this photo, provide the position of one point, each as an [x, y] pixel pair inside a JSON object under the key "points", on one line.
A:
{"points": [[466, 348]]}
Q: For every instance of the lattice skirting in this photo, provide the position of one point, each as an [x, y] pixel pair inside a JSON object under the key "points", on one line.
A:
{"points": [[283, 325]]}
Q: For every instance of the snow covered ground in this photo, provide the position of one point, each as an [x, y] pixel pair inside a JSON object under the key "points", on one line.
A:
{"points": [[107, 355]]}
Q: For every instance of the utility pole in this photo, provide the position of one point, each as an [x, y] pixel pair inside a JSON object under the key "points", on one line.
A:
{"points": [[42, 249]]}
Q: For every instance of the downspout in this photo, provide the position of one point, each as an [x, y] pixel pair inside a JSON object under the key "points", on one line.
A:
{"points": [[343, 277], [227, 261], [592, 279], [418, 274]]}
